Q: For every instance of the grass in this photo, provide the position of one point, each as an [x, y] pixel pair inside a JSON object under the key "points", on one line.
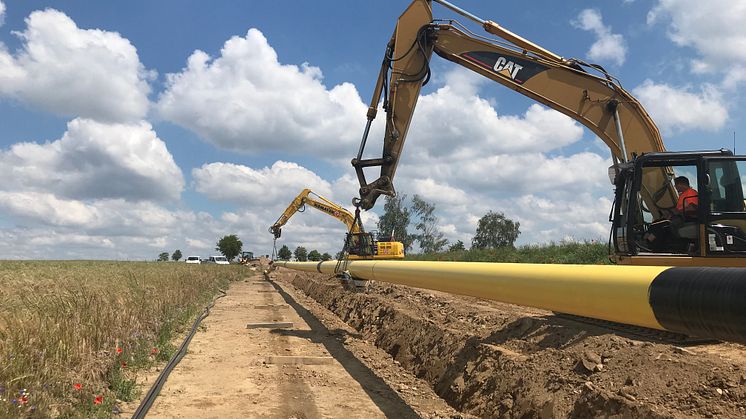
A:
{"points": [[563, 252], [73, 333]]}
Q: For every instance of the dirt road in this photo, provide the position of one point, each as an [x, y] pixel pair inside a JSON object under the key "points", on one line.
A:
{"points": [[233, 371]]}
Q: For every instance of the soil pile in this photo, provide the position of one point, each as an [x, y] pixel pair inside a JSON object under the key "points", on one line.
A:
{"points": [[498, 360]]}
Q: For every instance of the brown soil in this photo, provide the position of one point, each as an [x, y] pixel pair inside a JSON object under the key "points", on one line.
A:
{"points": [[497, 360], [226, 374]]}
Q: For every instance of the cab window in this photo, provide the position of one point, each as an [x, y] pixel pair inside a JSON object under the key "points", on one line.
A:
{"points": [[726, 186]]}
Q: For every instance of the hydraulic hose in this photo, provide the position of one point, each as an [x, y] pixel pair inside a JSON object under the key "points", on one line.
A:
{"points": [[155, 389]]}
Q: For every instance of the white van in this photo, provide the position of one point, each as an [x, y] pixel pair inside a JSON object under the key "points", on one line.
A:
{"points": [[220, 260], [193, 259]]}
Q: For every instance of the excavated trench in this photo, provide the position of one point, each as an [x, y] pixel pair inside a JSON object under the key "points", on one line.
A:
{"points": [[498, 360]]}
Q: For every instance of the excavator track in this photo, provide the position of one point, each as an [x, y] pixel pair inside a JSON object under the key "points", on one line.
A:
{"points": [[660, 336]]}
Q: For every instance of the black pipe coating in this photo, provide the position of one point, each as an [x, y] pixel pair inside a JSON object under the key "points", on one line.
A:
{"points": [[702, 301]]}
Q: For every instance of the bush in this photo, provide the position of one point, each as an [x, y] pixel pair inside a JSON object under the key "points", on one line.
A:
{"points": [[587, 253]]}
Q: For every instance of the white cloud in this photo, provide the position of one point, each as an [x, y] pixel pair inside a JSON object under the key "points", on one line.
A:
{"points": [[452, 123], [47, 208], [45, 226], [713, 28], [114, 217], [75, 72], [608, 45], [2, 13], [248, 101], [678, 109], [581, 218], [264, 187], [94, 160]]}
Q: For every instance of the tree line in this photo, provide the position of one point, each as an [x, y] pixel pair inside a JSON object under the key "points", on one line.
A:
{"points": [[301, 254], [494, 229], [229, 246]]}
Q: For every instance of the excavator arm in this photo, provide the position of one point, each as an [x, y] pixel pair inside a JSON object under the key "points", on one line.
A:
{"points": [[584, 92], [308, 197]]}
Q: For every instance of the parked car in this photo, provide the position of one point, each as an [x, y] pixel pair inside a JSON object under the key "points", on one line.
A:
{"points": [[193, 259], [220, 260]]}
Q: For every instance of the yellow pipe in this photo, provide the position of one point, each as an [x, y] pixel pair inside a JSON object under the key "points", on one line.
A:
{"points": [[607, 292], [707, 302]]}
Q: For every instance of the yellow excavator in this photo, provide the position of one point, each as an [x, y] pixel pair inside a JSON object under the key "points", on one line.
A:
{"points": [[649, 224], [359, 244]]}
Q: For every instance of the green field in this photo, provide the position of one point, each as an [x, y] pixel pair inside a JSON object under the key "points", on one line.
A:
{"points": [[565, 252], [73, 332]]}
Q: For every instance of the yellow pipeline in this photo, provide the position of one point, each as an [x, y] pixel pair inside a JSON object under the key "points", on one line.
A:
{"points": [[607, 292]]}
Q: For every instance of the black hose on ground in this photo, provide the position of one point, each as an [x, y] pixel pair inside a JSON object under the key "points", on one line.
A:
{"points": [[150, 397]]}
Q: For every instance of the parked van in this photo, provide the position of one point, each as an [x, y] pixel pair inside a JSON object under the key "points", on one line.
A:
{"points": [[220, 260]]}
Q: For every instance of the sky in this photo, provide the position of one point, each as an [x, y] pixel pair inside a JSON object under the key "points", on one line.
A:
{"points": [[132, 128]]}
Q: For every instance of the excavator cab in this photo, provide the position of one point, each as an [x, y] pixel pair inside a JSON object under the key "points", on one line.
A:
{"points": [[649, 228]]}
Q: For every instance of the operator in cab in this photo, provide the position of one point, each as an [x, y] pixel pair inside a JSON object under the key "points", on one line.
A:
{"points": [[688, 199], [667, 234]]}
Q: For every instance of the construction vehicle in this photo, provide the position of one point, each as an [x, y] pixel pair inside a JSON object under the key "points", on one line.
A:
{"points": [[645, 229], [247, 258], [359, 244]]}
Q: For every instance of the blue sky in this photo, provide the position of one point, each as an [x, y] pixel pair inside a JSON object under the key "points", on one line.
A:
{"points": [[131, 128]]}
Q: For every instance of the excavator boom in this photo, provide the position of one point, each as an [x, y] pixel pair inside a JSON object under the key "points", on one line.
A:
{"points": [[649, 224], [320, 203], [568, 86]]}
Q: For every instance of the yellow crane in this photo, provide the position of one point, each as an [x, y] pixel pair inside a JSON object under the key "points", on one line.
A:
{"points": [[658, 218], [359, 244]]}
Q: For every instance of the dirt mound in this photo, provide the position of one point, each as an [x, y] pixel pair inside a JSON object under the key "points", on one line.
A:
{"points": [[498, 360]]}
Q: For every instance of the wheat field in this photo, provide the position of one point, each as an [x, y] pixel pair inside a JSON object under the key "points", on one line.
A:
{"points": [[74, 333]]}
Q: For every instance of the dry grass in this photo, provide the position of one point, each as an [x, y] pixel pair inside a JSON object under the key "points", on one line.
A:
{"points": [[87, 324]]}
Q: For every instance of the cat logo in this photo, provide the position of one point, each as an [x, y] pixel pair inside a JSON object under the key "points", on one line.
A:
{"points": [[517, 69], [506, 68]]}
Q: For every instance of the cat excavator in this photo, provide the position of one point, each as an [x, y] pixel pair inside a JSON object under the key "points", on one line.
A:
{"points": [[359, 244], [646, 227]]}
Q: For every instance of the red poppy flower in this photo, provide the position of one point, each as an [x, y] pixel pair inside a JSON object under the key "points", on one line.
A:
{"points": [[154, 351], [78, 386], [124, 365], [23, 400], [98, 400], [119, 350]]}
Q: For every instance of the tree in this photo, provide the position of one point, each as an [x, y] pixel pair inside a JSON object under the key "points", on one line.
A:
{"points": [[495, 230], [326, 256], [395, 221], [163, 257], [284, 253], [457, 247], [176, 256], [229, 246], [314, 255], [301, 255], [430, 238]]}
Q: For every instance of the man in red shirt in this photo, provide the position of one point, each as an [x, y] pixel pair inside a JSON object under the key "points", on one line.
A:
{"points": [[659, 236], [688, 200]]}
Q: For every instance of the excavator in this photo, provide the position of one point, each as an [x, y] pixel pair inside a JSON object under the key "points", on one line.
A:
{"points": [[359, 244], [648, 224]]}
